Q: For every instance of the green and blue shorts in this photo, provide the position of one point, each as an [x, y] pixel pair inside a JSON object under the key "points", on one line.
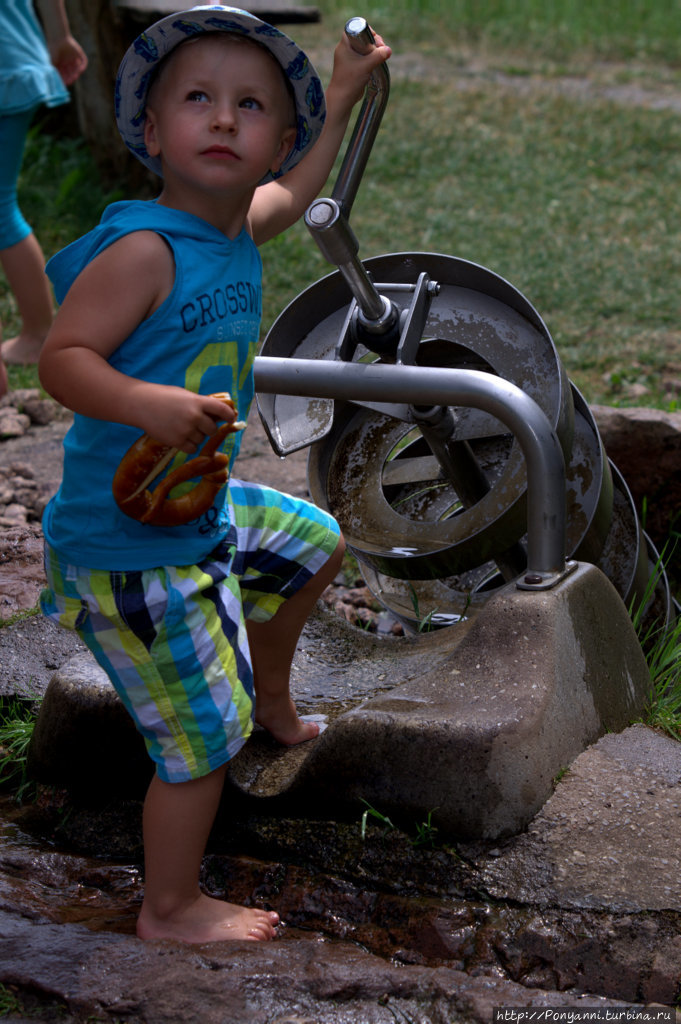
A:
{"points": [[173, 639]]}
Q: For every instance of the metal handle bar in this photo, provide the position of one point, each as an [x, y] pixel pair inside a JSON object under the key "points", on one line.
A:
{"points": [[327, 219], [359, 148], [423, 385]]}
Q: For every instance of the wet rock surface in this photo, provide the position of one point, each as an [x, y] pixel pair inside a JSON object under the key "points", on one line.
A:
{"points": [[296, 981], [582, 909]]}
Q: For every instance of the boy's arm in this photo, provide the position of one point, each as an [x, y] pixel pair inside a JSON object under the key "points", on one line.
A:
{"points": [[118, 290], [277, 205]]}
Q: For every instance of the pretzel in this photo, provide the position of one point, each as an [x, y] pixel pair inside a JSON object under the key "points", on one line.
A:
{"points": [[146, 459]]}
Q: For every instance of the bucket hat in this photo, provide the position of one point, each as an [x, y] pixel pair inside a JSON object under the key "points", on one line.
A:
{"points": [[144, 55]]}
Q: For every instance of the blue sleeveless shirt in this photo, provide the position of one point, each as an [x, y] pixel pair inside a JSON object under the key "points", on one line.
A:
{"points": [[203, 338]]}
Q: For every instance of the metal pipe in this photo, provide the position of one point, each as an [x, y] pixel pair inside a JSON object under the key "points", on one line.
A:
{"points": [[337, 243], [328, 219], [368, 122], [422, 385]]}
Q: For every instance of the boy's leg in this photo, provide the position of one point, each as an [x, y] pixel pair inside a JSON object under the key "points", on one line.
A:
{"points": [[185, 734], [177, 821], [273, 645]]}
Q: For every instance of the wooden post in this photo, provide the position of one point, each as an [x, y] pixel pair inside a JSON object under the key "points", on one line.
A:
{"points": [[105, 36]]}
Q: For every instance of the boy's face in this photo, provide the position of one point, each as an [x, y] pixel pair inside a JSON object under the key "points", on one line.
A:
{"points": [[219, 115]]}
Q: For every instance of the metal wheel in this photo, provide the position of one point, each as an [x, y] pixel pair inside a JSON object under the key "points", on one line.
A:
{"points": [[401, 513]]}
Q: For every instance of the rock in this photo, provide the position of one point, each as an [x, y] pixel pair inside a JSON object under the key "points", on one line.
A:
{"points": [[94, 728], [39, 410], [645, 445], [376, 929], [22, 576], [13, 515], [100, 974], [13, 423], [608, 838], [32, 648], [27, 399], [21, 408], [22, 497]]}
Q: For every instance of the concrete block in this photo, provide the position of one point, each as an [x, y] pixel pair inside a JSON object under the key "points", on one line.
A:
{"points": [[479, 739]]}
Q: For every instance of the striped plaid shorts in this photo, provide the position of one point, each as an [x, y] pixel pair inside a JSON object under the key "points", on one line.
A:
{"points": [[173, 639]]}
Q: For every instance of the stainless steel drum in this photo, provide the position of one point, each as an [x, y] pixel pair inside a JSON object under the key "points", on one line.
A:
{"points": [[431, 547], [400, 513], [602, 528]]}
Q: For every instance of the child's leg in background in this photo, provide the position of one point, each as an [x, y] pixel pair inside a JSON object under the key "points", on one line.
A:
{"points": [[20, 253]]}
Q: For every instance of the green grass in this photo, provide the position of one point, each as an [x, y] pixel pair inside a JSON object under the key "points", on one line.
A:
{"points": [[425, 832], [663, 707], [570, 202], [493, 151], [661, 644], [636, 29], [9, 1001], [17, 722], [60, 186]]}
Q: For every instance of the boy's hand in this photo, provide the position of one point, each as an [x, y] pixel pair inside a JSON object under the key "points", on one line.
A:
{"points": [[352, 71], [280, 203], [180, 418]]}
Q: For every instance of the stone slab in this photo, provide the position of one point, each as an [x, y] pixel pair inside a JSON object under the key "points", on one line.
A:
{"points": [[296, 981], [609, 838], [641, 963]]}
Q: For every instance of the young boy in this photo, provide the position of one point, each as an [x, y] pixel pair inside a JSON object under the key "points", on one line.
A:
{"points": [[196, 623]]}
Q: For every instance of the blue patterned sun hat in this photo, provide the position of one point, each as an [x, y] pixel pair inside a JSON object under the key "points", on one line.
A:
{"points": [[142, 58]]}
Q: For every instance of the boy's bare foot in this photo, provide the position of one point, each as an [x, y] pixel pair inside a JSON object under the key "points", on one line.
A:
{"points": [[281, 720], [22, 350], [209, 920]]}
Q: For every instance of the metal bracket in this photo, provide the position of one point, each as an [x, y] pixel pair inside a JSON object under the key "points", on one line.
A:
{"points": [[415, 320], [412, 322], [545, 580]]}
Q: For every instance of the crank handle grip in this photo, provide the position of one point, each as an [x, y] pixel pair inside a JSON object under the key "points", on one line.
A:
{"points": [[361, 38]]}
